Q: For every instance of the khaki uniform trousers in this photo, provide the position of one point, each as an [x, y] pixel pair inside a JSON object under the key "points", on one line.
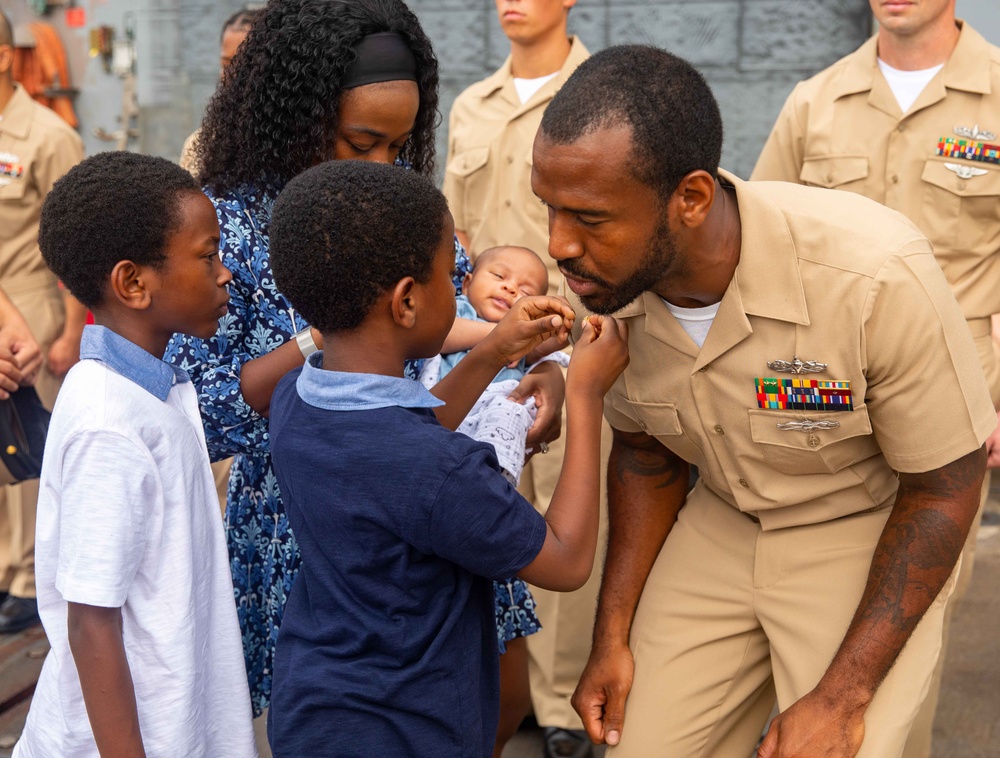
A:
{"points": [[41, 303], [732, 616], [558, 653]]}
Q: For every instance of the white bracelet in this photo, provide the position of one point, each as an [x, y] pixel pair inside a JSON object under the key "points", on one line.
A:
{"points": [[306, 343]]}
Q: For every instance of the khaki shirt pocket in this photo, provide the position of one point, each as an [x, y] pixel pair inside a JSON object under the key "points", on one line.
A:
{"points": [[821, 451], [14, 189], [831, 171], [662, 421], [960, 213], [468, 174]]}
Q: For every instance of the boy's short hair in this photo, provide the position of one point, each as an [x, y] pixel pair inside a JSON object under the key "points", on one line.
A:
{"points": [[111, 207], [344, 232]]}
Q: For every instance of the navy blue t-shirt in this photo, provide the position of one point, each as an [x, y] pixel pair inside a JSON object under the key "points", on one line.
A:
{"points": [[388, 642]]}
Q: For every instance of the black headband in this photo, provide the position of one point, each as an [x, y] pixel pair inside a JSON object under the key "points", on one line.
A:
{"points": [[382, 57]]}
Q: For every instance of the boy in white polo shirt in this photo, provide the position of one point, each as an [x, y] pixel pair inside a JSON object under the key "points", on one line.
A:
{"points": [[134, 588]]}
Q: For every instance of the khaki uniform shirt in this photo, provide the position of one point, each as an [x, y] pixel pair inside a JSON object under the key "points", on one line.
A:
{"points": [[36, 148], [844, 129], [827, 277], [488, 172]]}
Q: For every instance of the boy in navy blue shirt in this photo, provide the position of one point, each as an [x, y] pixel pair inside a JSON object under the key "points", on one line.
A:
{"points": [[388, 643]]}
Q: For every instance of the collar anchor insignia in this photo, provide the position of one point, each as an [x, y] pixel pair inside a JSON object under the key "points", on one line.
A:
{"points": [[974, 132], [797, 366]]}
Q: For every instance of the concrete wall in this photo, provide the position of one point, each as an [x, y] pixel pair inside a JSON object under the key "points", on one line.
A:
{"points": [[751, 51]]}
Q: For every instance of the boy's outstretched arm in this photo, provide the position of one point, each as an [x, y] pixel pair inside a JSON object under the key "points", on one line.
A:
{"points": [[95, 638], [567, 556], [530, 322]]}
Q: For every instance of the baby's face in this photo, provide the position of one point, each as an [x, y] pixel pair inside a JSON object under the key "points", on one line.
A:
{"points": [[503, 276]]}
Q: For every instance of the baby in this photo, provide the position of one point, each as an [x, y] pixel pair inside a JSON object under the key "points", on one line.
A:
{"points": [[501, 276]]}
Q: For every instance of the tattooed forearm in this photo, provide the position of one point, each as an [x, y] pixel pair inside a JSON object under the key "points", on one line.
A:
{"points": [[916, 553], [646, 457]]}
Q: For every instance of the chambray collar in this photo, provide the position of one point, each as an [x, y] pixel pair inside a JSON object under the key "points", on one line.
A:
{"points": [[345, 391], [128, 359]]}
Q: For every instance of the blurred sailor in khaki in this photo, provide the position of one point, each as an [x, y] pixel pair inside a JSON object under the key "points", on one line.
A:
{"points": [[36, 148], [912, 120], [487, 182]]}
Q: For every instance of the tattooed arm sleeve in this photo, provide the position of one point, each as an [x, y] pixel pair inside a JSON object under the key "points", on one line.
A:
{"points": [[913, 559], [647, 485]]}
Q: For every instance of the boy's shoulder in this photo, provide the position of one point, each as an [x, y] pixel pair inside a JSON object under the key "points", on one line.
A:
{"points": [[403, 434]]}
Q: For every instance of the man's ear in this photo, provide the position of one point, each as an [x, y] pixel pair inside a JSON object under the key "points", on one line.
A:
{"points": [[404, 302], [693, 198], [130, 284]]}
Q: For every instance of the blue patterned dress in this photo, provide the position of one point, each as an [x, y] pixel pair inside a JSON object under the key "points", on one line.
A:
{"points": [[264, 557]]}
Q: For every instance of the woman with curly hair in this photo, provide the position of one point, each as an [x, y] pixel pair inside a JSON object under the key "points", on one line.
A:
{"points": [[315, 80]]}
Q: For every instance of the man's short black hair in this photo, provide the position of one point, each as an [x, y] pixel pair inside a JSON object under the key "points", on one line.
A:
{"points": [[344, 232], [675, 120], [112, 207]]}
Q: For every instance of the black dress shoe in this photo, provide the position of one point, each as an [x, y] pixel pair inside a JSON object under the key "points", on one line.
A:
{"points": [[17, 613], [567, 743]]}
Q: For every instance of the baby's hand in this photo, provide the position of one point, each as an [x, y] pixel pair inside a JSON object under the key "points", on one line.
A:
{"points": [[529, 322], [599, 356]]}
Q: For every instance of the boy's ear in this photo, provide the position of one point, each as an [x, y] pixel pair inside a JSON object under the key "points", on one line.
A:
{"points": [[404, 302], [130, 285]]}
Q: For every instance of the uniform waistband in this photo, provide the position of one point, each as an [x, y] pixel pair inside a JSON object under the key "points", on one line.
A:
{"points": [[980, 327]]}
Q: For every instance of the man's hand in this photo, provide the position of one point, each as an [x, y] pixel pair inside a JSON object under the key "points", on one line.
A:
{"points": [[817, 726], [530, 322], [547, 386], [993, 447], [20, 356], [600, 695], [63, 355]]}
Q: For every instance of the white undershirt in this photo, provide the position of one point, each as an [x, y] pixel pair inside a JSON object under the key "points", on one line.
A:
{"points": [[907, 85], [695, 321], [526, 88]]}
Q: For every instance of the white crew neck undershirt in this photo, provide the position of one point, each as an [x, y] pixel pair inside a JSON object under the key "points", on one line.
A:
{"points": [[907, 85], [526, 88], [695, 321]]}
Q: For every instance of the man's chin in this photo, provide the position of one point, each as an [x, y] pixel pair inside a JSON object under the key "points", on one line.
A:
{"points": [[605, 304]]}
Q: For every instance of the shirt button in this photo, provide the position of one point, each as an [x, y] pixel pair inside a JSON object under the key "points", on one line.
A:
{"points": [[744, 483], [642, 425], [961, 185], [813, 440], [703, 369], [894, 179], [901, 128], [507, 203], [829, 178], [510, 159], [719, 429]]}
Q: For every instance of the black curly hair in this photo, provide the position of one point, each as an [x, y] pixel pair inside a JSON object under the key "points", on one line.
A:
{"points": [[675, 120], [332, 259], [112, 207], [275, 112]]}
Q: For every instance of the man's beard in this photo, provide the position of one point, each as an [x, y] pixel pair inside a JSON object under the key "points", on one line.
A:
{"points": [[659, 258]]}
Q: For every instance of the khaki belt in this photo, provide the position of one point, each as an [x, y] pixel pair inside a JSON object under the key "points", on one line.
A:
{"points": [[980, 327]]}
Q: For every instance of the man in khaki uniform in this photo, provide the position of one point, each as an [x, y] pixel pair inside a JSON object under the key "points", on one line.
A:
{"points": [[771, 344], [488, 185], [36, 148], [912, 120]]}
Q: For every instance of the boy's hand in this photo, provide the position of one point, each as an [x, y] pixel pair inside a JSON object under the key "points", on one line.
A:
{"points": [[600, 355], [529, 323]]}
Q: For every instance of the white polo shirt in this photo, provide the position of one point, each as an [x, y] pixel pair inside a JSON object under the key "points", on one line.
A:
{"points": [[128, 517]]}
